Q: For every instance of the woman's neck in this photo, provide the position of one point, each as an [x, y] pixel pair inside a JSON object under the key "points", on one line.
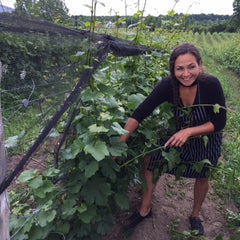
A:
{"points": [[187, 95], [193, 84]]}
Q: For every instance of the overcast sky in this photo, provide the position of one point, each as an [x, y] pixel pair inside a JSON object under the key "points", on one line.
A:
{"points": [[153, 7]]}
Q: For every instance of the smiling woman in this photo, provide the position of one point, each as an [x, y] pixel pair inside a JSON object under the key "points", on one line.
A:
{"points": [[185, 87]]}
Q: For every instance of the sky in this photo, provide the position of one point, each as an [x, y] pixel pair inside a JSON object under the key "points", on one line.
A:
{"points": [[153, 7]]}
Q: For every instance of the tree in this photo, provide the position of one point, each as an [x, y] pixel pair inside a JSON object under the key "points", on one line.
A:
{"points": [[236, 13], [150, 21], [236, 8], [52, 10]]}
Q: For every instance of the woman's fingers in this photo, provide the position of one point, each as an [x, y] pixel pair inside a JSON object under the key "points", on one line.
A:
{"points": [[174, 142], [178, 139]]}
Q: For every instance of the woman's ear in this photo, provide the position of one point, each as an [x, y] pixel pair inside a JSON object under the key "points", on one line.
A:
{"points": [[201, 67]]}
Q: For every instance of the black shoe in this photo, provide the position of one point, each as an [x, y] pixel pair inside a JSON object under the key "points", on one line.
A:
{"points": [[136, 218], [196, 224]]}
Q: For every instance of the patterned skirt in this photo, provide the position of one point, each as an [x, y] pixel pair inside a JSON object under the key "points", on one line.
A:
{"points": [[197, 154]]}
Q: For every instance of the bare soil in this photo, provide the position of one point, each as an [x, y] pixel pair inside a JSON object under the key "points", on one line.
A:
{"points": [[173, 200], [37, 161]]}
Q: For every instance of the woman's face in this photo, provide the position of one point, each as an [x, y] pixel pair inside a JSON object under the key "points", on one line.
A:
{"points": [[186, 69]]}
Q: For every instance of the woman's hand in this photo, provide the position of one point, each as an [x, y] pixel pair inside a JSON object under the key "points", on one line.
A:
{"points": [[179, 138], [130, 126]]}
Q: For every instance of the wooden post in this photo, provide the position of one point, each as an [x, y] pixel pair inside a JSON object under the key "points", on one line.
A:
{"points": [[4, 206]]}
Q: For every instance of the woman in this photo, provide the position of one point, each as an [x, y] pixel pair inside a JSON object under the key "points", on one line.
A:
{"points": [[186, 86]]}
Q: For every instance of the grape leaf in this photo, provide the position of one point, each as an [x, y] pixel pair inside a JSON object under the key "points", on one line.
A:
{"points": [[216, 108], [98, 150], [198, 166], [95, 129], [91, 169]]}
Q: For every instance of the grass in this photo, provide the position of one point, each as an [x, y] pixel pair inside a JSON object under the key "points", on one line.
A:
{"points": [[227, 175], [227, 183], [230, 170], [23, 127]]}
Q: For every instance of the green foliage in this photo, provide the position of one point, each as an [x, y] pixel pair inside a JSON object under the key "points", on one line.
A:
{"points": [[40, 191], [198, 166], [34, 55], [234, 220], [35, 68], [176, 234], [52, 10], [223, 48], [229, 53], [89, 186], [194, 22], [172, 158], [236, 13]]}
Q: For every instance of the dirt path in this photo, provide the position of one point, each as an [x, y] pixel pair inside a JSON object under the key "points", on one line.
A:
{"points": [[173, 200]]}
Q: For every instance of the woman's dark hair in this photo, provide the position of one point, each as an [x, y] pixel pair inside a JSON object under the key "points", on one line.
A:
{"points": [[181, 50]]}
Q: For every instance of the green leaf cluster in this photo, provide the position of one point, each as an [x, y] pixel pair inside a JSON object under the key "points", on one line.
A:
{"points": [[82, 196], [28, 58], [51, 10]]}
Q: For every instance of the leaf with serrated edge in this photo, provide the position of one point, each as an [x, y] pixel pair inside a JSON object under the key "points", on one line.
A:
{"points": [[91, 169], [97, 129], [98, 150]]}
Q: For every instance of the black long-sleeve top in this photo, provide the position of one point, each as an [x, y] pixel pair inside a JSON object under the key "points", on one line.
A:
{"points": [[209, 92]]}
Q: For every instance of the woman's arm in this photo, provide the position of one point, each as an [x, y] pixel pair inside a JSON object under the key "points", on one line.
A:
{"points": [[163, 92], [212, 93], [131, 125], [180, 137]]}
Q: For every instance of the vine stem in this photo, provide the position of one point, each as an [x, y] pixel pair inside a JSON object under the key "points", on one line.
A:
{"points": [[142, 154], [162, 148], [209, 105]]}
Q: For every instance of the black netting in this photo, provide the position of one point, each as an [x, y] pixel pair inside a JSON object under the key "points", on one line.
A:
{"points": [[103, 43], [29, 25]]}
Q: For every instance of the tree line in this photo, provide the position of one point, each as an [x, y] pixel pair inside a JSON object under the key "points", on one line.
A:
{"points": [[56, 11], [195, 22]]}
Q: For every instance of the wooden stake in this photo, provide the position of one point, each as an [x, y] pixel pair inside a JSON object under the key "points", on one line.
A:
{"points": [[4, 206]]}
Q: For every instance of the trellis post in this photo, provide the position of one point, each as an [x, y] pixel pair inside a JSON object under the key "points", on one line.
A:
{"points": [[4, 206]]}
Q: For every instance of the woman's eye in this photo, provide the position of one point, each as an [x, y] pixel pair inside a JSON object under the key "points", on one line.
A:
{"points": [[191, 67], [179, 69]]}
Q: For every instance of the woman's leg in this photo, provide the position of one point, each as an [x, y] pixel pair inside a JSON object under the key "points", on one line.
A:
{"points": [[147, 193], [200, 192]]}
